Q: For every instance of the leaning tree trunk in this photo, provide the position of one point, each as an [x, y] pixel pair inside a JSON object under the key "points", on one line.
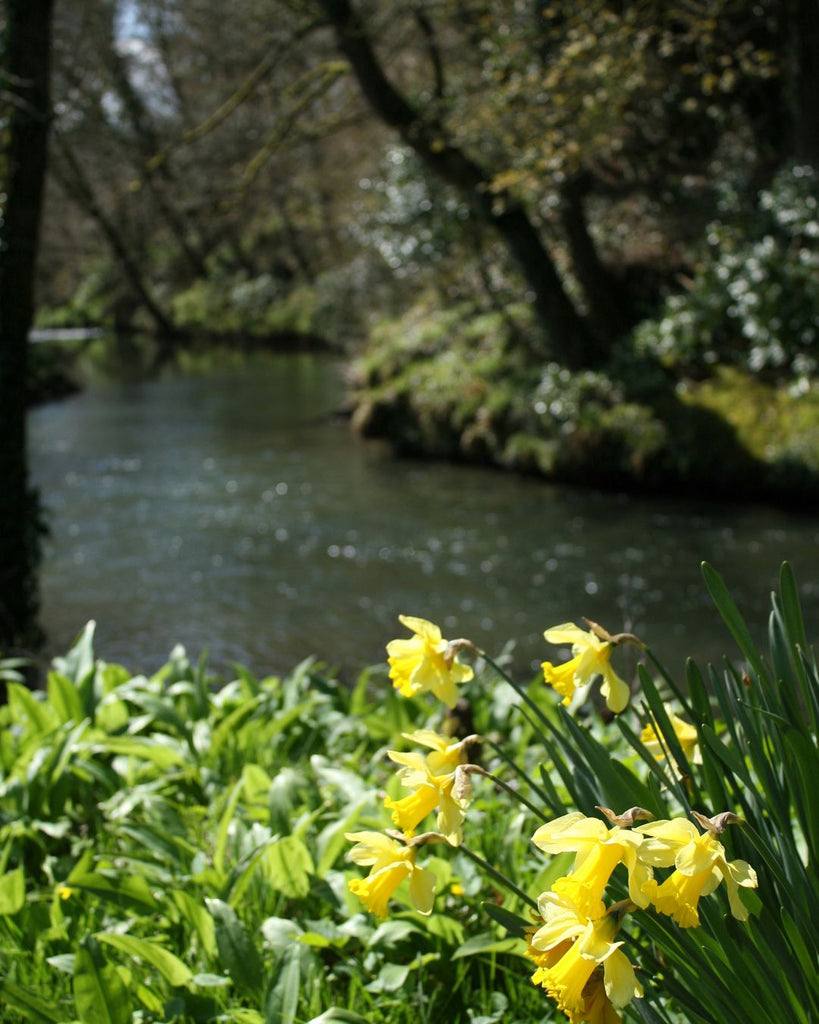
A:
{"points": [[25, 91], [570, 340]]}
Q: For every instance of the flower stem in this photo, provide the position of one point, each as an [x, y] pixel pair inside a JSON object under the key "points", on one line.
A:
{"points": [[509, 789], [517, 688], [500, 878]]}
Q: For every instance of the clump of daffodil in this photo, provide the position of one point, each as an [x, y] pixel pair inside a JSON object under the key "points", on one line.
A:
{"points": [[391, 862], [686, 735], [699, 864], [427, 662], [599, 850], [580, 964], [436, 782], [591, 650]]}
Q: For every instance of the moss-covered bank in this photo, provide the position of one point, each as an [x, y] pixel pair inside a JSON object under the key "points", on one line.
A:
{"points": [[462, 385]]}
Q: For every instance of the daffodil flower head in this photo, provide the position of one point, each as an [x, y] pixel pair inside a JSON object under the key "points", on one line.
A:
{"points": [[433, 780], [391, 862], [599, 850], [426, 662], [686, 735], [591, 658], [573, 979], [700, 865]]}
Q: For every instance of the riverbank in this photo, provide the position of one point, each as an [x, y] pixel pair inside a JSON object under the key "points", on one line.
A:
{"points": [[463, 387]]}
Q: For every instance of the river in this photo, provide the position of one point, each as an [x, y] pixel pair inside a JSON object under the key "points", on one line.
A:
{"points": [[233, 512]]}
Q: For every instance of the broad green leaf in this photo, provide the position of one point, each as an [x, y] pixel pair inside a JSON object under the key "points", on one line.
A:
{"points": [[283, 996], [256, 784], [12, 891], [220, 846], [331, 839], [62, 962], [64, 698], [25, 707], [131, 892], [488, 943], [172, 969], [206, 980], [237, 953], [446, 928], [78, 664], [390, 978], [159, 753], [99, 994], [281, 932], [390, 933], [244, 1016], [196, 914], [32, 1006], [288, 867]]}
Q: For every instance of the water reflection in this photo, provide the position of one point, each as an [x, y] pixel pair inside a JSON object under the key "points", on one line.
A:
{"points": [[233, 512]]}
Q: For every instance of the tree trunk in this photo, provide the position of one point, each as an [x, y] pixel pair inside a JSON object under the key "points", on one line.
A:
{"points": [[27, 45], [805, 80], [610, 310], [569, 338]]}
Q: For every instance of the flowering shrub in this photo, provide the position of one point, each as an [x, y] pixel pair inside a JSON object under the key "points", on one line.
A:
{"points": [[654, 914], [755, 301]]}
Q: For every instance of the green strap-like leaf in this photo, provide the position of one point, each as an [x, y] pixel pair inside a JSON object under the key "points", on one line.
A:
{"points": [[237, 954], [725, 605], [29, 1004], [99, 994], [283, 997], [172, 969]]}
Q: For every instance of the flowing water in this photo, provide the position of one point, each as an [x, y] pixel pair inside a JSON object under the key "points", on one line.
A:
{"points": [[232, 511]]}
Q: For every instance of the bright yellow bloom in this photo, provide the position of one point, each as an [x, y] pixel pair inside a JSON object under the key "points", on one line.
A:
{"points": [[65, 892], [432, 779], [599, 1009], [599, 850], [591, 659], [572, 979], [425, 662], [686, 735], [391, 862], [699, 867]]}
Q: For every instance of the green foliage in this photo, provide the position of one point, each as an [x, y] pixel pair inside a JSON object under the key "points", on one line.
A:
{"points": [[173, 847], [750, 755], [238, 304], [754, 302]]}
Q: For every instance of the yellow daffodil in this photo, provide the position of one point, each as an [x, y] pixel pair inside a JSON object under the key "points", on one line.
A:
{"points": [[426, 662], [700, 865], [599, 850], [591, 659], [391, 862], [686, 735], [572, 979], [432, 778]]}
